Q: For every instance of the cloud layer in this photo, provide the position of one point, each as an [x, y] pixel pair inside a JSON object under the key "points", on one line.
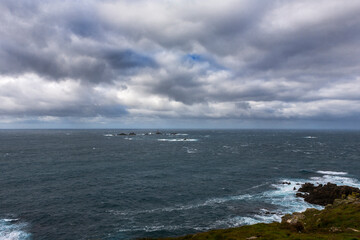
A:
{"points": [[193, 60]]}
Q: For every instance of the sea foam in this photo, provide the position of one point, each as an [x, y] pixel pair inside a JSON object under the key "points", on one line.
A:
{"points": [[11, 229]]}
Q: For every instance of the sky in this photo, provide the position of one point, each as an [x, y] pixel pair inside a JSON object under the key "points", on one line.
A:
{"points": [[180, 64]]}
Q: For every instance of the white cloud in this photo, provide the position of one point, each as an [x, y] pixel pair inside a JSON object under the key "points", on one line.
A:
{"points": [[107, 60]]}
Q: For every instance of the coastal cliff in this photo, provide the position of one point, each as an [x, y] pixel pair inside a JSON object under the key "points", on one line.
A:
{"points": [[338, 220]]}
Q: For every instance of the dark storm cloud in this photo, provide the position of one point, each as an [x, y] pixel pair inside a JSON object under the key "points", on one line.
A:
{"points": [[181, 87], [80, 110], [279, 59], [127, 59], [93, 66], [45, 47]]}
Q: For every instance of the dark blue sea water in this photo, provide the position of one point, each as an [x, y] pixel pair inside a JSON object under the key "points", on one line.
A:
{"points": [[92, 184]]}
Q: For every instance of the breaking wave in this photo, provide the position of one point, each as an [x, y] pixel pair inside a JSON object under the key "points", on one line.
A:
{"points": [[12, 229], [177, 140]]}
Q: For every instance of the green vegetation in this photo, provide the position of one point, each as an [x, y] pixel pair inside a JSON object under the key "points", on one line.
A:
{"points": [[341, 220]]}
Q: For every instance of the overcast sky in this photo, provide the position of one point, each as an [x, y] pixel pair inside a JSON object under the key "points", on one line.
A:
{"points": [[179, 64]]}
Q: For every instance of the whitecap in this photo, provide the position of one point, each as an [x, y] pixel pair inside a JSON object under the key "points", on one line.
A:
{"points": [[212, 201], [235, 222], [310, 137], [108, 135], [190, 150], [247, 220], [241, 221], [10, 220], [177, 140], [153, 228], [339, 180], [11, 229], [332, 173]]}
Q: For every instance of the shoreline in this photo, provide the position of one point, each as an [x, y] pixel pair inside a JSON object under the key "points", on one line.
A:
{"points": [[340, 219]]}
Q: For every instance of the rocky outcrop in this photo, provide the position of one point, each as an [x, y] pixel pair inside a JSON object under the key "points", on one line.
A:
{"points": [[337, 221], [324, 194], [338, 217], [294, 221]]}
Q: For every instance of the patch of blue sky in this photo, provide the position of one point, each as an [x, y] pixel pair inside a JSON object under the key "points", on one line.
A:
{"points": [[194, 58]]}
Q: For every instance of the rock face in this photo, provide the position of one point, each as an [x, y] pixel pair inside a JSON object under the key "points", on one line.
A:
{"points": [[294, 221], [324, 194]]}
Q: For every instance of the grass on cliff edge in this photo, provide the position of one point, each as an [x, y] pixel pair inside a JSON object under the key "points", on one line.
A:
{"points": [[338, 221]]}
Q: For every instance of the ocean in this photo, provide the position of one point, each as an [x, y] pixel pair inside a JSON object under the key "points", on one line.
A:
{"points": [[94, 184]]}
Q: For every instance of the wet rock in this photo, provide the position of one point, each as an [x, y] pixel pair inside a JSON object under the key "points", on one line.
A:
{"points": [[132, 134], [121, 134], [324, 194]]}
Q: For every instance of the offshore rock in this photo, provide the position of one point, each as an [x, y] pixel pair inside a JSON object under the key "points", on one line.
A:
{"points": [[325, 194]]}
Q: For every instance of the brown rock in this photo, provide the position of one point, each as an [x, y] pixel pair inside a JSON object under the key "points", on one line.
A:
{"points": [[324, 194]]}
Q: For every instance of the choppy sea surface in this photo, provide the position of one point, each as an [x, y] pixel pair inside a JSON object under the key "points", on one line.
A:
{"points": [[93, 184]]}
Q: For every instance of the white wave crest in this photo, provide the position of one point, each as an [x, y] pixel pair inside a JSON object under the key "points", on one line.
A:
{"points": [[241, 221], [310, 137], [332, 173], [177, 140], [235, 222], [339, 180], [108, 135], [154, 228]]}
